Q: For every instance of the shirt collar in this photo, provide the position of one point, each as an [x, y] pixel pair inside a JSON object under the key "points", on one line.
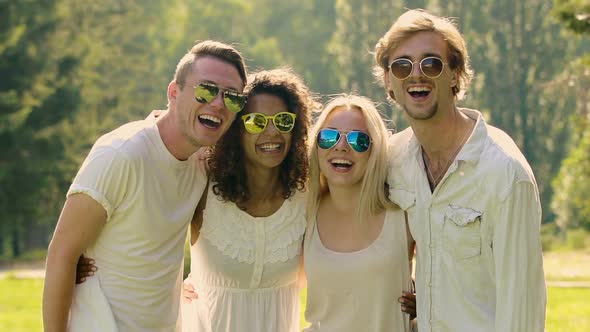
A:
{"points": [[472, 148], [475, 143]]}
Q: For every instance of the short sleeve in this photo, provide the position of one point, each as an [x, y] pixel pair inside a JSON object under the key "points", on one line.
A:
{"points": [[106, 177]]}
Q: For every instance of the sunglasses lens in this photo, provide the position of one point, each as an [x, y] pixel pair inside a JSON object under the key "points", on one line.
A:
{"points": [[401, 68], [327, 138], [254, 123], [431, 67], [284, 122], [205, 93], [358, 140], [234, 101]]}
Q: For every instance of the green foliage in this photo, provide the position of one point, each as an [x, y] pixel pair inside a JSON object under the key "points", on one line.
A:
{"points": [[571, 202], [572, 185], [34, 255], [550, 236], [554, 238], [516, 51], [578, 239], [73, 70], [575, 14]]}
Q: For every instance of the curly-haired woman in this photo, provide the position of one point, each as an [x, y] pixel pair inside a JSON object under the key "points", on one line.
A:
{"points": [[246, 238]]}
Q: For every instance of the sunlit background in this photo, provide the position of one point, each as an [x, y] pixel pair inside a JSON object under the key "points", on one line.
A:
{"points": [[72, 70]]}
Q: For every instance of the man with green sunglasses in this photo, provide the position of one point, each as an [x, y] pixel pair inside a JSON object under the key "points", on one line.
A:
{"points": [[131, 202], [471, 196]]}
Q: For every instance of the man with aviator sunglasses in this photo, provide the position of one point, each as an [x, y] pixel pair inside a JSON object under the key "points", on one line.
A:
{"points": [[131, 202], [471, 196]]}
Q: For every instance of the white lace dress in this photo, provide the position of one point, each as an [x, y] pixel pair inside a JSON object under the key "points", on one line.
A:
{"points": [[245, 269]]}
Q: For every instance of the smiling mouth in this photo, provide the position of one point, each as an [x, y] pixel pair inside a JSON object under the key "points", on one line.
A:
{"points": [[209, 121], [419, 92], [341, 163], [270, 147]]}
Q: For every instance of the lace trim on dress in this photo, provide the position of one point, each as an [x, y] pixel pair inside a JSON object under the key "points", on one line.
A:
{"points": [[233, 231]]}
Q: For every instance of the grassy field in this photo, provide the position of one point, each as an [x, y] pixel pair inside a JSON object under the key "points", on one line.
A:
{"points": [[20, 307], [20, 304], [568, 308]]}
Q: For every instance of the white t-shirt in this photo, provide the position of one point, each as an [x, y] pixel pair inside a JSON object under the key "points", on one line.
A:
{"points": [[150, 198]]}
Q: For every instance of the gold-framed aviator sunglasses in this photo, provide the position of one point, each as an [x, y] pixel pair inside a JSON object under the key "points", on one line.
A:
{"points": [[431, 67], [255, 123], [233, 100]]}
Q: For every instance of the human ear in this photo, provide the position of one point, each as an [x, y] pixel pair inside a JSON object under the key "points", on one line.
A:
{"points": [[172, 91]]}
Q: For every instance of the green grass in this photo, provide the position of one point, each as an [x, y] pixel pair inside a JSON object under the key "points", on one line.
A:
{"points": [[20, 304], [568, 309], [20, 307]]}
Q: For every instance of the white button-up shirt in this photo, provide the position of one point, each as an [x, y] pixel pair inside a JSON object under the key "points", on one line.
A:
{"points": [[479, 259]]}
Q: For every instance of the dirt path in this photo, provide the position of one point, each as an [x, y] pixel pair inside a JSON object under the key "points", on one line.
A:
{"points": [[39, 273], [23, 274]]}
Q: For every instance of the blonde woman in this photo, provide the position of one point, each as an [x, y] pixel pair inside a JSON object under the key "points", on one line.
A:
{"points": [[357, 246]]}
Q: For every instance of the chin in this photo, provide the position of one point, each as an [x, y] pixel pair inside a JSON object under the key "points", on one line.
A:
{"points": [[420, 114]]}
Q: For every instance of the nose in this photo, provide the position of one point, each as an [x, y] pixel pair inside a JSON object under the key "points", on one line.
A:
{"points": [[270, 128], [416, 71], [342, 144], [218, 102]]}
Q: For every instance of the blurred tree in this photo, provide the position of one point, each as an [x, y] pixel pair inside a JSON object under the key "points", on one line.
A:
{"points": [[73, 70], [359, 25], [516, 53], [571, 201], [574, 14], [26, 70]]}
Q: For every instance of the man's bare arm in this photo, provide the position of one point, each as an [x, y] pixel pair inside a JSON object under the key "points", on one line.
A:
{"points": [[79, 224]]}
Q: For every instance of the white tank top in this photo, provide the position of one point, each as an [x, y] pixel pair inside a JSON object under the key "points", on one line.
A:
{"points": [[358, 291]]}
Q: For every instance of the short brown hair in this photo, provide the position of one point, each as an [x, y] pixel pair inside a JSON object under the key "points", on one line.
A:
{"points": [[417, 20], [218, 50]]}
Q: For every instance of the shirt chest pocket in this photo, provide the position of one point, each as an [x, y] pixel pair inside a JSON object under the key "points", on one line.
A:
{"points": [[462, 232]]}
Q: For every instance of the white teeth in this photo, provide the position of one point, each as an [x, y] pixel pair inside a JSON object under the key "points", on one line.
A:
{"points": [[418, 89], [270, 146], [210, 118], [341, 161]]}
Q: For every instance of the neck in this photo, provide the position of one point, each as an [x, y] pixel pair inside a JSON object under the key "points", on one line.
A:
{"points": [[441, 135], [263, 184], [178, 145], [344, 199], [439, 147]]}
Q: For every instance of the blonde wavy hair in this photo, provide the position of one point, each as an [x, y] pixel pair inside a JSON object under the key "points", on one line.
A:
{"points": [[373, 198]]}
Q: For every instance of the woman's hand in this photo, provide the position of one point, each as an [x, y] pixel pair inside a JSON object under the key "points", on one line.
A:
{"points": [[188, 291], [84, 269], [408, 301]]}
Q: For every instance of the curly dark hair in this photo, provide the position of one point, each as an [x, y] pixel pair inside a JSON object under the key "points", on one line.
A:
{"points": [[226, 159]]}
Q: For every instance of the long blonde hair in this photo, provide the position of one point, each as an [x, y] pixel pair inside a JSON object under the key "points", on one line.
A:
{"points": [[373, 198]]}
